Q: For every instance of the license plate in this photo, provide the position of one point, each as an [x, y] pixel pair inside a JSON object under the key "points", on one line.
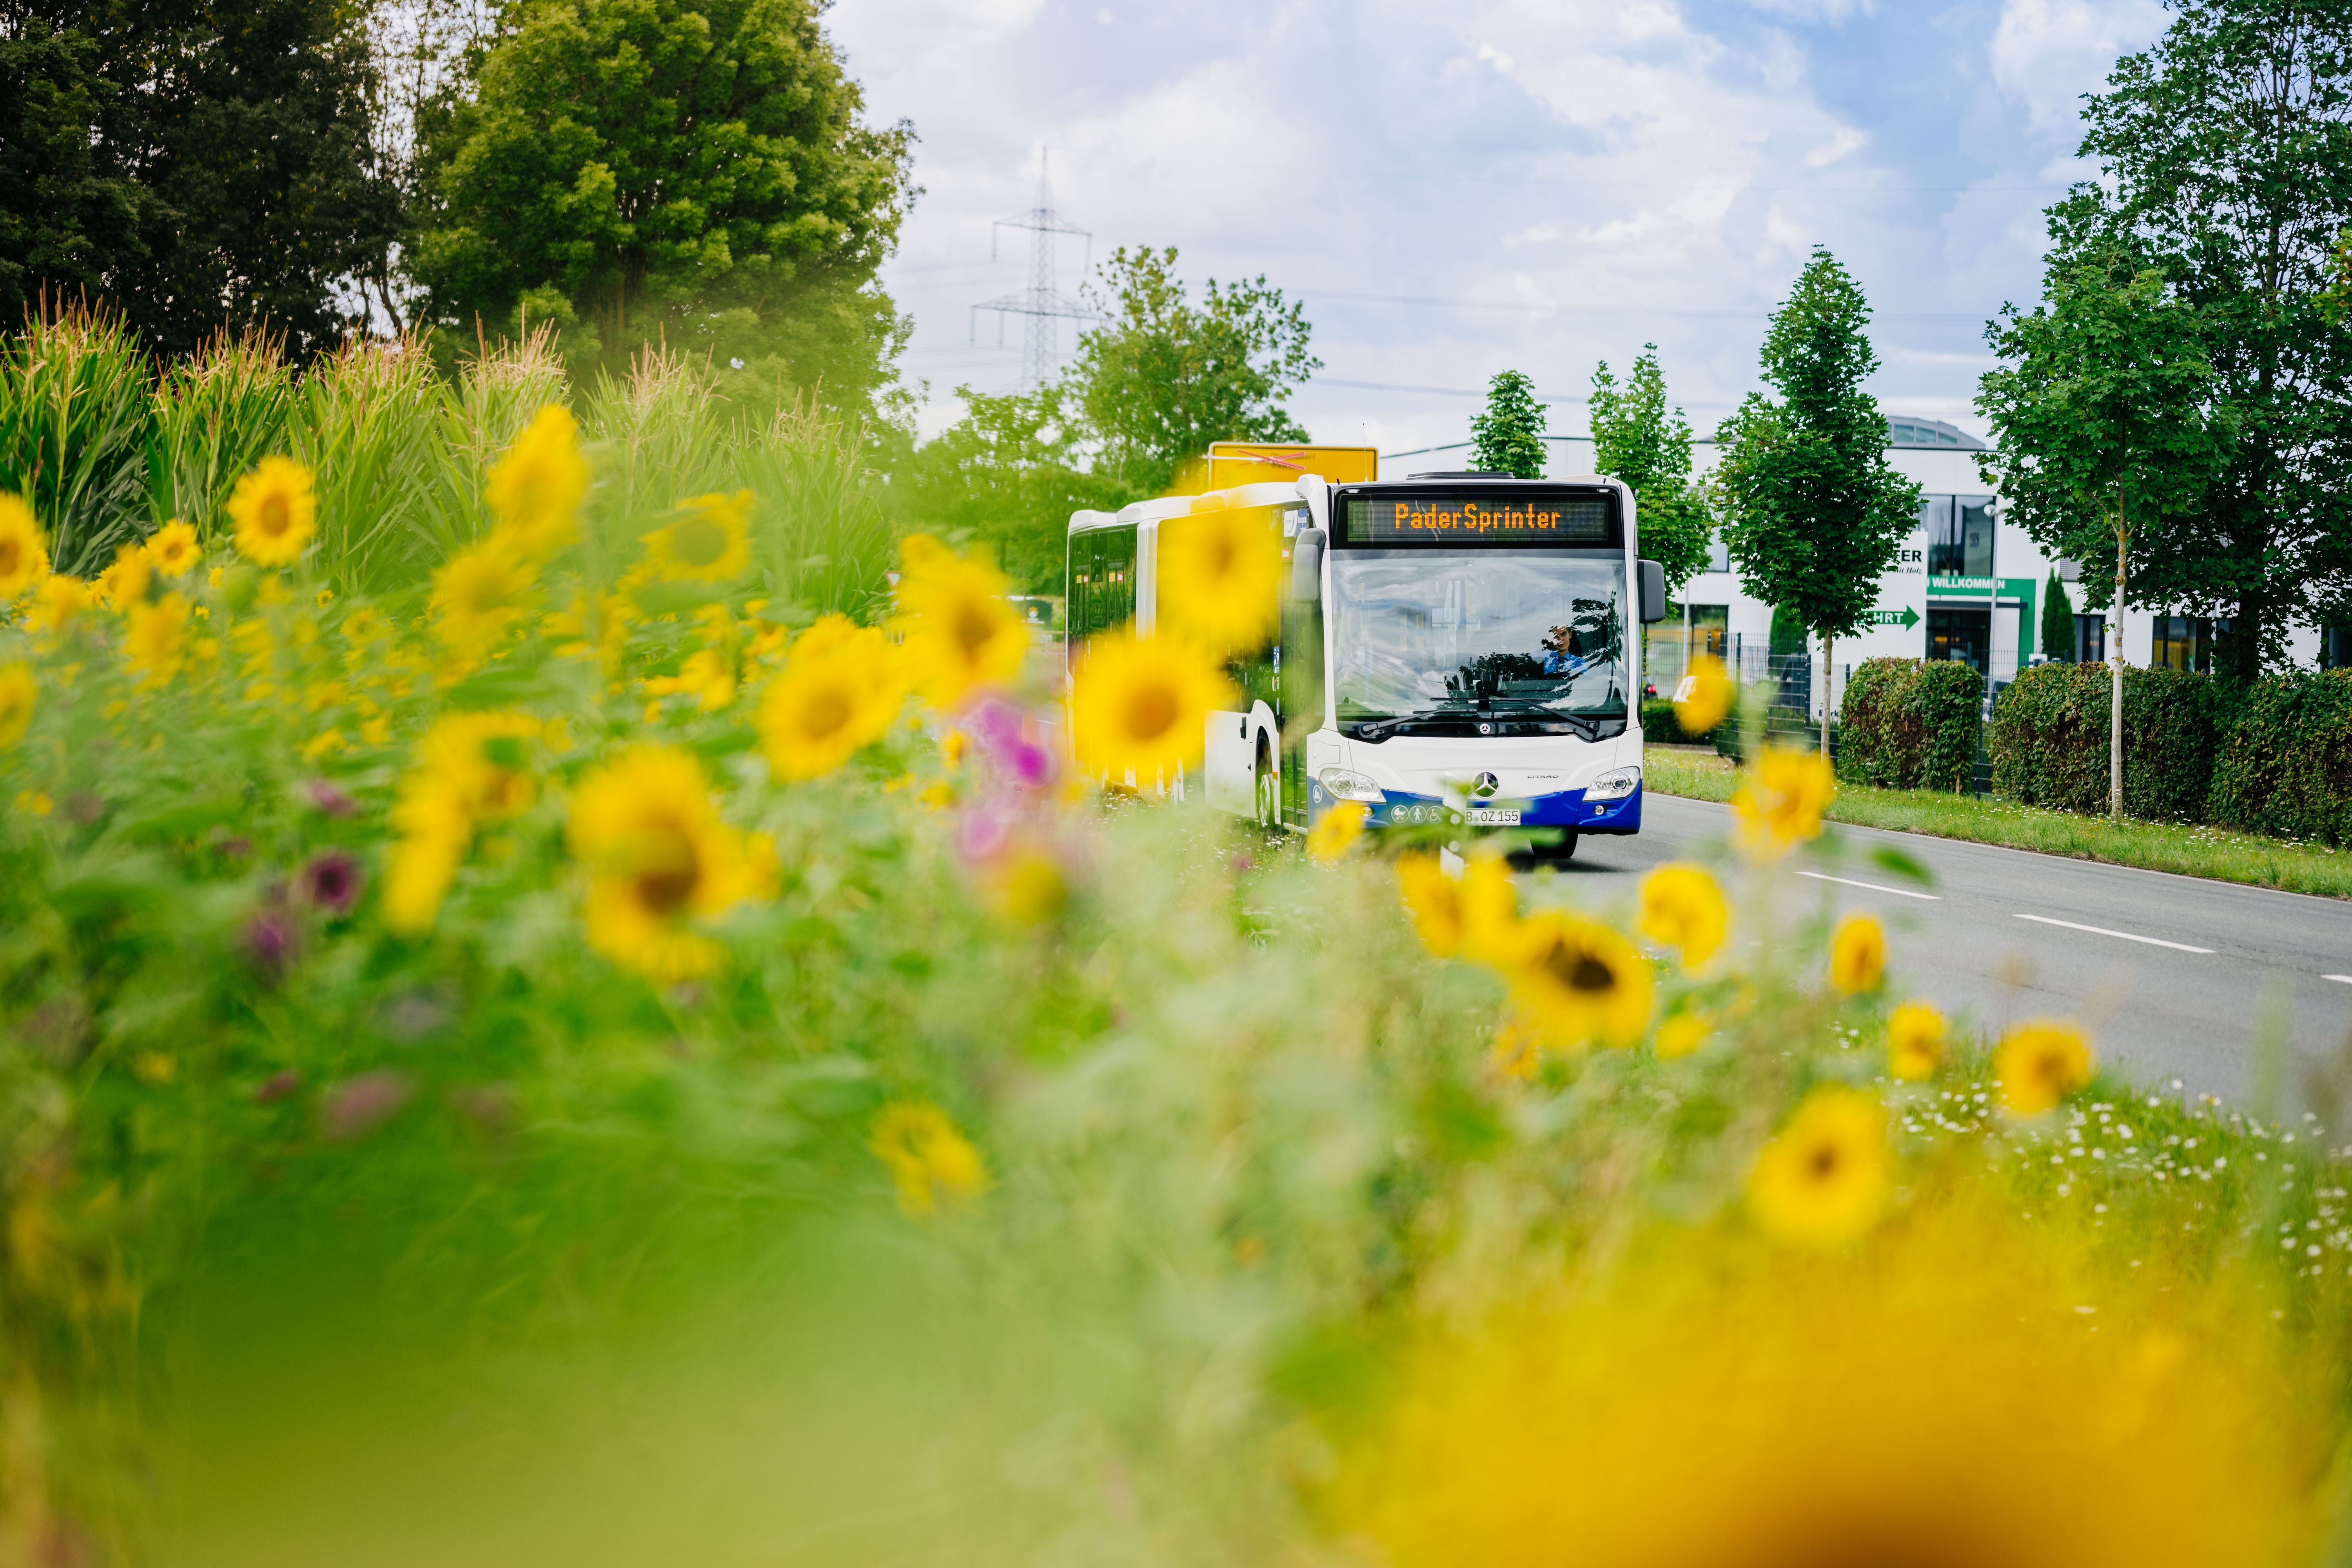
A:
{"points": [[1493, 816]]}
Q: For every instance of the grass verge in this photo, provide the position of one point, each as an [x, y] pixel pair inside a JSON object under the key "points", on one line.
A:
{"points": [[2189, 851]]}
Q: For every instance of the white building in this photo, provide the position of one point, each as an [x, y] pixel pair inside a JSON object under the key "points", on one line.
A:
{"points": [[1967, 584]]}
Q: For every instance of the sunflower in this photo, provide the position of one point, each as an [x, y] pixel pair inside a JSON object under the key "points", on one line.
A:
{"points": [[435, 829], [836, 696], [276, 511], [1858, 955], [535, 488], [1434, 898], [24, 558], [484, 759], [1576, 981], [1683, 906], [174, 550], [1141, 708], [1221, 576], [125, 582], [1823, 1179], [1704, 698], [56, 602], [712, 544], [1337, 831], [658, 859], [707, 674], [19, 692], [1681, 1035], [962, 635], [928, 1160], [157, 641], [2040, 1063], [1915, 1041], [1701, 1404], [484, 591], [1779, 804]]}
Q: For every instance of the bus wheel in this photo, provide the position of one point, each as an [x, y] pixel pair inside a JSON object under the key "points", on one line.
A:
{"points": [[1268, 789], [1559, 851]]}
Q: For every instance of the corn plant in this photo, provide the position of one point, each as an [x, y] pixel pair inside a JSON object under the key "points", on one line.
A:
{"points": [[216, 415], [76, 419], [819, 529], [658, 438], [494, 395], [369, 423]]}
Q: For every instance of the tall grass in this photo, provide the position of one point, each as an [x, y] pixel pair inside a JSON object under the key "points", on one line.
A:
{"points": [[76, 421], [216, 414]]}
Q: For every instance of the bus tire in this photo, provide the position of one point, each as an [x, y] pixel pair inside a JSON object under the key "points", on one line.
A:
{"points": [[1266, 788], [1559, 851]]}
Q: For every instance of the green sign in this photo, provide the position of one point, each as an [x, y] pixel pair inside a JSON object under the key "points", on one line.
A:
{"points": [[1955, 587], [1906, 617]]}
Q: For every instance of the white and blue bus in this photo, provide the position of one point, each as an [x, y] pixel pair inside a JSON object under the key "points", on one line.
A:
{"points": [[1452, 649]]}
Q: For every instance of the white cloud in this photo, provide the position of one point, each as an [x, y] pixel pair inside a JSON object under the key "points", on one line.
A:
{"points": [[1608, 174], [2047, 53]]}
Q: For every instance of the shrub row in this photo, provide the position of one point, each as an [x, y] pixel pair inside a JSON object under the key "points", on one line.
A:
{"points": [[2050, 735], [1908, 723], [2286, 764]]}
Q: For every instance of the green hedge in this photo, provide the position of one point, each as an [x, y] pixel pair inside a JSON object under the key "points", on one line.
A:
{"points": [[1908, 723], [2050, 739], [2287, 767], [1659, 727]]}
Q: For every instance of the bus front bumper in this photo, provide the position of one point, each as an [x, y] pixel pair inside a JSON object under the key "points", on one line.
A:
{"points": [[1567, 808]]}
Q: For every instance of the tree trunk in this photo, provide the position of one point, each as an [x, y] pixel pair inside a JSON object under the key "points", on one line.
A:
{"points": [[1825, 696], [2115, 652]]}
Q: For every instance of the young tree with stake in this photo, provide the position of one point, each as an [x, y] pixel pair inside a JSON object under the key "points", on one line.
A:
{"points": [[2100, 428], [1814, 511], [1636, 438]]}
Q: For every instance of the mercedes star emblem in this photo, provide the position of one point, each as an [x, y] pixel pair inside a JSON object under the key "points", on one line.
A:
{"points": [[1486, 785]]}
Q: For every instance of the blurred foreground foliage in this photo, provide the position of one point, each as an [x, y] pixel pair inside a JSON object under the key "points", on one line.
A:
{"points": [[559, 1064]]}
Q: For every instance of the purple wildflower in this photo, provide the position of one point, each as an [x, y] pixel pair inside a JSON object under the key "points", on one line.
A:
{"points": [[331, 882]]}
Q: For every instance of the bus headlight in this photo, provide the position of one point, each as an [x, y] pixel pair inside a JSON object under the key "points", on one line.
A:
{"points": [[1340, 784], [1615, 784]]}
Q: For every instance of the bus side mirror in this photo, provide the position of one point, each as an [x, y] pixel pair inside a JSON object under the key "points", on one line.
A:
{"points": [[1307, 567], [1654, 592]]}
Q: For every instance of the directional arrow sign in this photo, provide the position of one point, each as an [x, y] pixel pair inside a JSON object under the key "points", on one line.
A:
{"points": [[1906, 617]]}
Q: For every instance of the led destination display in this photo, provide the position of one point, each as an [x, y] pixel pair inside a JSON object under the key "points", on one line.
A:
{"points": [[1483, 520]]}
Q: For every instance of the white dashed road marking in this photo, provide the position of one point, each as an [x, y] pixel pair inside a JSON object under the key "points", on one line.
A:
{"points": [[2128, 936], [1898, 892]]}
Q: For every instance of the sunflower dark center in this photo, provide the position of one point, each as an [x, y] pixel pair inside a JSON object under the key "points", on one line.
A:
{"points": [[1578, 969], [1823, 1162], [974, 630], [12, 556], [1150, 713], [277, 514], [665, 872], [697, 542]]}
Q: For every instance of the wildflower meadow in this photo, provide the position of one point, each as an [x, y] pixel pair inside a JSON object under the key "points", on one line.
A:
{"points": [[574, 1020]]}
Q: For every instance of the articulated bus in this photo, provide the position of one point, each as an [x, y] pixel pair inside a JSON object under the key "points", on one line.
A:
{"points": [[1452, 647]]}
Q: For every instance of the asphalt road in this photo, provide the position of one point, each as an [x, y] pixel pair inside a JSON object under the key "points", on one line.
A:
{"points": [[2177, 976]]}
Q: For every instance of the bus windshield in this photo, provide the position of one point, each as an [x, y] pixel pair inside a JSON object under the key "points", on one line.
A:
{"points": [[1479, 641]]}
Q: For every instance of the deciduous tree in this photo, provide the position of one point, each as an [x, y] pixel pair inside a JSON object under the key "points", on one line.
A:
{"points": [[2226, 161], [695, 170], [2103, 438], [1161, 377], [1636, 438], [1010, 472], [1814, 511], [1507, 436]]}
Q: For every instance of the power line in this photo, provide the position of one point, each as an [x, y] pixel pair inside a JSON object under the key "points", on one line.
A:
{"points": [[1529, 307]]}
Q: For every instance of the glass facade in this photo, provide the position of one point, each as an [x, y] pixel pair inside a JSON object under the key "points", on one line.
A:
{"points": [[1959, 535]]}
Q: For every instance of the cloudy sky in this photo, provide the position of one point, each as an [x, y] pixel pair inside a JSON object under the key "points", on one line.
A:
{"points": [[1459, 188]]}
